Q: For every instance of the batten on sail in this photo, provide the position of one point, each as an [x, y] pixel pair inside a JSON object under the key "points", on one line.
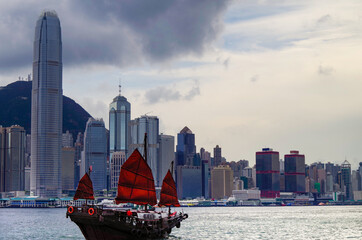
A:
{"points": [[136, 183], [168, 192], [84, 189]]}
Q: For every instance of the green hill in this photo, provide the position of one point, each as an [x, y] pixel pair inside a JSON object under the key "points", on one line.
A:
{"points": [[15, 108]]}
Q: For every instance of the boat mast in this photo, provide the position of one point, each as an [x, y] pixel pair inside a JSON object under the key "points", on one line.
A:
{"points": [[89, 172], [169, 207], [145, 156]]}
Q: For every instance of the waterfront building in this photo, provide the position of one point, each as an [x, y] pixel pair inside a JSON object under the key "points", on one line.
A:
{"points": [[117, 160], [251, 194], [355, 180], [119, 128], [294, 172], [357, 196], [12, 159], [347, 181], [166, 155], [189, 182], [217, 156], [47, 108], [267, 173], [95, 153], [205, 175], [68, 168], [185, 148], [67, 139], [221, 182], [149, 125]]}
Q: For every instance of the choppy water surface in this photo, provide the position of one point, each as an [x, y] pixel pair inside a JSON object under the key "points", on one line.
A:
{"points": [[319, 222]]}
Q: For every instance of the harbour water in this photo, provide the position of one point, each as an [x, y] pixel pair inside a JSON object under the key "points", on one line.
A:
{"points": [[310, 222]]}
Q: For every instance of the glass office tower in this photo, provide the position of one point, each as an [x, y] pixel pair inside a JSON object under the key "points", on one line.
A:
{"points": [[149, 125], [268, 173], [119, 129], [47, 108], [95, 153]]}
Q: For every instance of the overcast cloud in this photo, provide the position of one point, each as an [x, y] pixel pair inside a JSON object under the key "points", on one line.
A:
{"points": [[120, 33], [240, 74]]}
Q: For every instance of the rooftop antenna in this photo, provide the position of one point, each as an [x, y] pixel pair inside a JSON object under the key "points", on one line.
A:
{"points": [[119, 86]]}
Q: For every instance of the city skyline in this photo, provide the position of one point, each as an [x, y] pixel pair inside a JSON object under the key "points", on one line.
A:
{"points": [[257, 74]]}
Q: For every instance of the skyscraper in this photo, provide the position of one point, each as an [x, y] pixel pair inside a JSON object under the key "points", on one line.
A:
{"points": [[217, 156], [12, 159], [221, 182], [189, 181], [294, 167], [68, 168], [268, 173], [205, 175], [166, 154], [95, 153], [185, 149], [47, 107], [149, 125], [119, 129], [347, 180]]}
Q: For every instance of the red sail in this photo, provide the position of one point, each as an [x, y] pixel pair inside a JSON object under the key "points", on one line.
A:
{"points": [[168, 192], [135, 183], [84, 189]]}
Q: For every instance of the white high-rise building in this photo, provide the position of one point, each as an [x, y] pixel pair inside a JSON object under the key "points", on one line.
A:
{"points": [[117, 160], [47, 108], [149, 125], [166, 154]]}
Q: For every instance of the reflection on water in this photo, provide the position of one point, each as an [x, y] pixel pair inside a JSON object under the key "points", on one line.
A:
{"points": [[312, 222]]}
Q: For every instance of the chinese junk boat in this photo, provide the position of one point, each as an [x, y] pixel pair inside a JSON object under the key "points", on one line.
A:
{"points": [[135, 185]]}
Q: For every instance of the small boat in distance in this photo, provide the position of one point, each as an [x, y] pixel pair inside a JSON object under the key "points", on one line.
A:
{"points": [[135, 185]]}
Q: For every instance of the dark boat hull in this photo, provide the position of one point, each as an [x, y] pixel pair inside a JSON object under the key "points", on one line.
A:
{"points": [[117, 224]]}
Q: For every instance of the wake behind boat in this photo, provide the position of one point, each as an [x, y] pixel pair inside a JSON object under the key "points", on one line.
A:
{"points": [[135, 185]]}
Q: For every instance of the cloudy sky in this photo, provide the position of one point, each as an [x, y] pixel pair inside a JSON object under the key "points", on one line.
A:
{"points": [[245, 75]]}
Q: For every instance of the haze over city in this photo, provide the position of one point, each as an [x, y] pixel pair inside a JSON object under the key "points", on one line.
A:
{"points": [[240, 74]]}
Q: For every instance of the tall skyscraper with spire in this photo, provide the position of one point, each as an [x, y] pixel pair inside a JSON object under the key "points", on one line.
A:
{"points": [[119, 128], [47, 107]]}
